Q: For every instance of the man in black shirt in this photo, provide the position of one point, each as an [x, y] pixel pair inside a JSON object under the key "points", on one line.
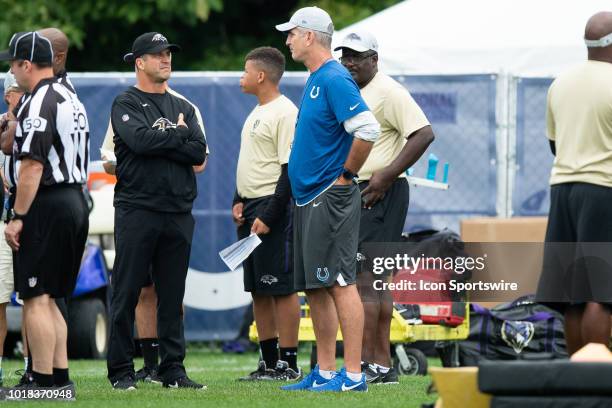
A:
{"points": [[157, 141], [49, 221]]}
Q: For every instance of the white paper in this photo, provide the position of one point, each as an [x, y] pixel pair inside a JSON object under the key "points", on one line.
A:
{"points": [[108, 156], [236, 253]]}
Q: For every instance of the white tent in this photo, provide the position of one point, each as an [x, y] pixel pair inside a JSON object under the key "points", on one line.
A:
{"points": [[523, 37]]}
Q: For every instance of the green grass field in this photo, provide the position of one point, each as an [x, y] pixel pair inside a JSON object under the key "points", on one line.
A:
{"points": [[219, 372]]}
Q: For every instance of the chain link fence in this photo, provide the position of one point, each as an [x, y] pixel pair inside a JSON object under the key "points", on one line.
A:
{"points": [[490, 162], [460, 108]]}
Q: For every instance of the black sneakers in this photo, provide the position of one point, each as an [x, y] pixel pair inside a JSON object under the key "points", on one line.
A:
{"points": [[388, 378], [150, 375], [24, 378], [127, 383], [184, 382], [371, 373], [283, 372], [261, 374], [66, 391], [375, 376]]}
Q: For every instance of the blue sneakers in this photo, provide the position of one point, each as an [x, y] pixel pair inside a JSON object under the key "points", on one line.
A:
{"points": [[341, 383], [313, 379]]}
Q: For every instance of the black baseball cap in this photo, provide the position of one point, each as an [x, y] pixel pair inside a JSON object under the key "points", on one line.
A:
{"points": [[149, 43], [30, 46]]}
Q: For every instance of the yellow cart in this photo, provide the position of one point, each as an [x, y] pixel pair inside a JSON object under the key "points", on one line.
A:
{"points": [[408, 360]]}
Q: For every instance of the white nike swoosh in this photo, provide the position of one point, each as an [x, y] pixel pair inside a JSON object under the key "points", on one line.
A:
{"points": [[146, 104], [317, 204], [175, 385], [345, 388], [354, 107], [317, 385]]}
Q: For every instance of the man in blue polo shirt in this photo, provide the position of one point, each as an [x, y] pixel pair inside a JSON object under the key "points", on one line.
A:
{"points": [[334, 134]]}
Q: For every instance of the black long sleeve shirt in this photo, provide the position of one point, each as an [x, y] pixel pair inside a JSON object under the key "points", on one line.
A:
{"points": [[154, 156]]}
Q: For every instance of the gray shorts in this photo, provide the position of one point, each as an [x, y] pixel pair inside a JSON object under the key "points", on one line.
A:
{"points": [[326, 236]]}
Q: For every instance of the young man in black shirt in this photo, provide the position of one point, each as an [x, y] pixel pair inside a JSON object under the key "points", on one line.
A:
{"points": [[157, 141]]}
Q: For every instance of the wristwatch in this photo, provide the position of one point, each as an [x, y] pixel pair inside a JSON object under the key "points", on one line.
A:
{"points": [[348, 175], [12, 215]]}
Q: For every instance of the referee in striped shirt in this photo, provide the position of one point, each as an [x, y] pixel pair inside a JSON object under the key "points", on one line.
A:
{"points": [[59, 45], [49, 221]]}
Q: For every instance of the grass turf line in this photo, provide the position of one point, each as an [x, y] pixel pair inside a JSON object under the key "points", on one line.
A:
{"points": [[219, 372]]}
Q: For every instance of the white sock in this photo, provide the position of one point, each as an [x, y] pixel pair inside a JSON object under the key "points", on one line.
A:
{"points": [[327, 374], [0, 361], [25, 363], [355, 377], [383, 369]]}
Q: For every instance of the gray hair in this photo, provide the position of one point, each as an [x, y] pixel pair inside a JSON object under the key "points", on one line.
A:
{"points": [[10, 84], [324, 39]]}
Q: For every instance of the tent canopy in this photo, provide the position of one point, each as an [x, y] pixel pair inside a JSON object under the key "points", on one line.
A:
{"points": [[523, 37]]}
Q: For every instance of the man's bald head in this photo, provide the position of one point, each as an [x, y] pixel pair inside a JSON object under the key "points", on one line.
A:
{"points": [[60, 44], [599, 25]]}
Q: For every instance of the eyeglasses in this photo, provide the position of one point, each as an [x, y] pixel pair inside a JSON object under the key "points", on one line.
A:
{"points": [[356, 58]]}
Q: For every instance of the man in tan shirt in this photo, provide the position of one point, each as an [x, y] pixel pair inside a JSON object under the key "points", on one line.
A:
{"points": [[405, 135], [579, 122], [262, 205]]}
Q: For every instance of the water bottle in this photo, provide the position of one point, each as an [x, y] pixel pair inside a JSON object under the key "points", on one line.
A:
{"points": [[432, 167]]}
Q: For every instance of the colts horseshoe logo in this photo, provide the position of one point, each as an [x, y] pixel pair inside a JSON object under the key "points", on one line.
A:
{"points": [[314, 94], [323, 276]]}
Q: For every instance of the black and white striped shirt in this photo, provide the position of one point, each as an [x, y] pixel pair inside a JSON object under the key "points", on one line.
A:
{"points": [[53, 129], [63, 79], [9, 161]]}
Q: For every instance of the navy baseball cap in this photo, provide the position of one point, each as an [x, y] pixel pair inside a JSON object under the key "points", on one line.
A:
{"points": [[149, 43], [29, 46]]}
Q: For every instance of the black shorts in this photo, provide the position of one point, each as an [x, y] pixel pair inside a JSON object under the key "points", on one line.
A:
{"points": [[384, 222], [52, 242], [148, 281], [326, 235], [268, 270], [579, 226]]}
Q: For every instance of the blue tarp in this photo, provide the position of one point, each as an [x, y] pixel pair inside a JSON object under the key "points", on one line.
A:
{"points": [[531, 195]]}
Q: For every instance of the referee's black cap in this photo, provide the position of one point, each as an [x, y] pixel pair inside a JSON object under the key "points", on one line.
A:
{"points": [[30, 46], [149, 43]]}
